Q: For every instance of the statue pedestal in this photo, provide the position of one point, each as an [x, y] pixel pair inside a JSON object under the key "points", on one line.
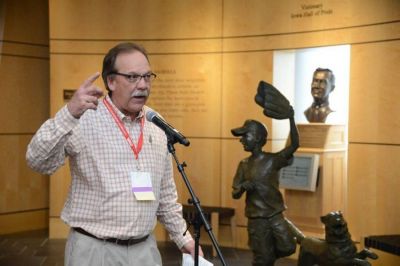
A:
{"points": [[305, 207]]}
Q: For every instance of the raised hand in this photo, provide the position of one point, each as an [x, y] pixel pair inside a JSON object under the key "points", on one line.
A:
{"points": [[86, 97]]}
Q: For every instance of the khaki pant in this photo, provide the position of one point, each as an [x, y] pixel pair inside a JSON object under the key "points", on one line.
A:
{"points": [[82, 250]]}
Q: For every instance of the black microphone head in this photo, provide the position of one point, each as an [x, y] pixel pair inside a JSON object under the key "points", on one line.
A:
{"points": [[170, 131], [150, 114]]}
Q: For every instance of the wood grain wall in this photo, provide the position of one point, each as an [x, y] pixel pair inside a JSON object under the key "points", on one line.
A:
{"points": [[24, 105]]}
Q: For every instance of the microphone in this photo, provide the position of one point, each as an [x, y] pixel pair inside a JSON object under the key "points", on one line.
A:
{"points": [[169, 130]]}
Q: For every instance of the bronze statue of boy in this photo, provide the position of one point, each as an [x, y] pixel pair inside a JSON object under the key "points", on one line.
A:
{"points": [[258, 175]]}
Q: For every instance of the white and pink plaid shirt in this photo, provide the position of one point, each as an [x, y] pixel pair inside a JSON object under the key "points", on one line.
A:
{"points": [[100, 198]]}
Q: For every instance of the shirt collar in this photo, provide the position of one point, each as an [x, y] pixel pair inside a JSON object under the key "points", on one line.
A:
{"points": [[121, 115]]}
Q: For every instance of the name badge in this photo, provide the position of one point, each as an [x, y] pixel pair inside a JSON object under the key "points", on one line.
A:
{"points": [[142, 186]]}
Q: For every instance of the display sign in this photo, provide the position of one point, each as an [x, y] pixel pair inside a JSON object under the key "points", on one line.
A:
{"points": [[301, 174]]}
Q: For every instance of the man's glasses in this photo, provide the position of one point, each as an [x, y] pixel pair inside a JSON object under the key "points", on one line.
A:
{"points": [[135, 78]]}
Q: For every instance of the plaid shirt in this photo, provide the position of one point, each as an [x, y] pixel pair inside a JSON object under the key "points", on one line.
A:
{"points": [[100, 198]]}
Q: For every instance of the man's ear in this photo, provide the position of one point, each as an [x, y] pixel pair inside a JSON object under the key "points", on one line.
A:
{"points": [[110, 83], [333, 87]]}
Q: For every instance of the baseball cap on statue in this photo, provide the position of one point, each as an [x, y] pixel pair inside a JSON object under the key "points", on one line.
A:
{"points": [[250, 125]]}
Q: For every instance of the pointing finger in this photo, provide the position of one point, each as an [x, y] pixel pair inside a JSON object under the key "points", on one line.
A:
{"points": [[91, 99], [94, 91], [90, 80]]}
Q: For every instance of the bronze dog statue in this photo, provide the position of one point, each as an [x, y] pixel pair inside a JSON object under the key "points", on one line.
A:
{"points": [[337, 248]]}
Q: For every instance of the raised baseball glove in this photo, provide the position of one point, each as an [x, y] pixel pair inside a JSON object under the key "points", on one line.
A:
{"points": [[274, 103]]}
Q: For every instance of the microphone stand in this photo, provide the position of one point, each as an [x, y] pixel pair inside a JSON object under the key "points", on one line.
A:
{"points": [[199, 217]]}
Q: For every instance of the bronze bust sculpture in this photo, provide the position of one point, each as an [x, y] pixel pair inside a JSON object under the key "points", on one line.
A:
{"points": [[322, 85], [258, 175]]}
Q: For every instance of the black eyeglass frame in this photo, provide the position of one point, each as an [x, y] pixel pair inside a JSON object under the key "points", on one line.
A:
{"points": [[135, 78]]}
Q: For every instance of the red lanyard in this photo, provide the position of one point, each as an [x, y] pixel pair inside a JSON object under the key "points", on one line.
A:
{"points": [[125, 132]]}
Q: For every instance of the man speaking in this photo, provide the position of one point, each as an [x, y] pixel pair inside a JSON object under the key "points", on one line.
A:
{"points": [[122, 177]]}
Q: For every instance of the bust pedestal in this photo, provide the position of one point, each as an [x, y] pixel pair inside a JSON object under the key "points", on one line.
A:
{"points": [[305, 207]]}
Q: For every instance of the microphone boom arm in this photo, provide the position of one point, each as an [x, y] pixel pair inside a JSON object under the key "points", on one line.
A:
{"points": [[200, 217]]}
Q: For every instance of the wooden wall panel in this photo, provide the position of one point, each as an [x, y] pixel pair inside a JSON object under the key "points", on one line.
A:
{"points": [[374, 142], [241, 75], [25, 93], [23, 221], [363, 34], [21, 189], [126, 19], [24, 106], [26, 22], [153, 46], [374, 189], [271, 17], [57, 228], [188, 95], [203, 158], [373, 99], [26, 51], [274, 25]]}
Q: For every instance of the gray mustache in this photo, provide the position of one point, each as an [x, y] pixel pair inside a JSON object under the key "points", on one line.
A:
{"points": [[144, 93]]}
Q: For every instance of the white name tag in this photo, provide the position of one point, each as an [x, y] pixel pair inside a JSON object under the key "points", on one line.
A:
{"points": [[142, 186]]}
